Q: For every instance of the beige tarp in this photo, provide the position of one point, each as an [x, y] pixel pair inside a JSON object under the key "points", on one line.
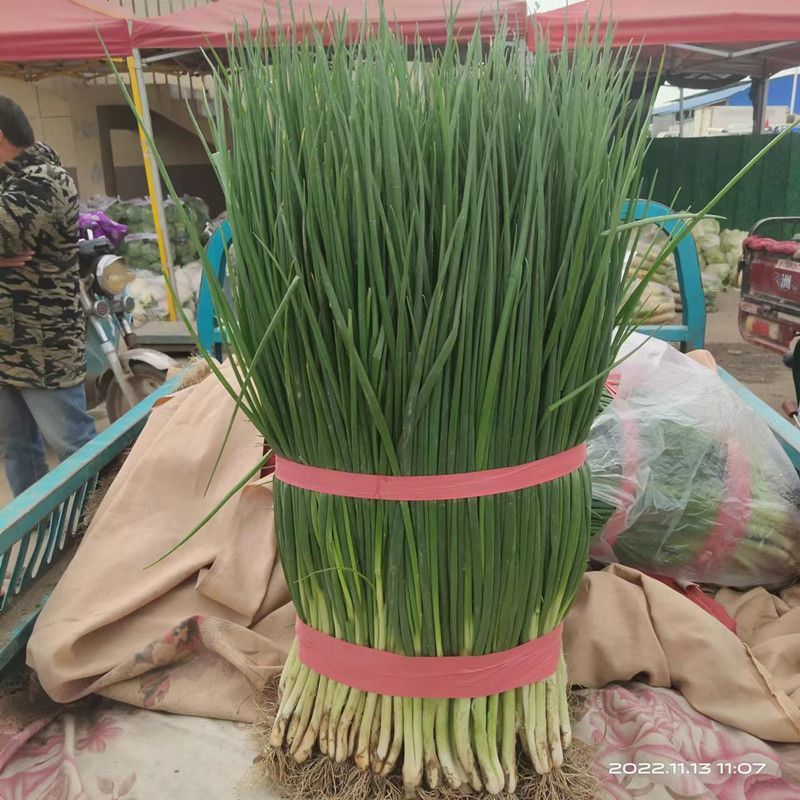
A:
{"points": [[201, 631]]}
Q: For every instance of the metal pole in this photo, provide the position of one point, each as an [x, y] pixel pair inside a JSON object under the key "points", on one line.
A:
{"points": [[794, 90], [139, 93], [680, 113], [759, 93]]}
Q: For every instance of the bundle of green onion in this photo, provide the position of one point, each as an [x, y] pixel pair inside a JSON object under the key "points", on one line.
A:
{"points": [[428, 272]]}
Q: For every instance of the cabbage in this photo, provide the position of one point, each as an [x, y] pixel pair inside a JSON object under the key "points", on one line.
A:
{"points": [[732, 240], [721, 269], [706, 227], [714, 255], [712, 284], [708, 242]]}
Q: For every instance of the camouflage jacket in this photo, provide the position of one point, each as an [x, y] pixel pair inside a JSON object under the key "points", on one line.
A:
{"points": [[42, 328]]}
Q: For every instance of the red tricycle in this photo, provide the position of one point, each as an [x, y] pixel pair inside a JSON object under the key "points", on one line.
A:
{"points": [[769, 306]]}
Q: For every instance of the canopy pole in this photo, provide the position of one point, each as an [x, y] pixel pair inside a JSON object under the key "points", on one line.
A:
{"points": [[759, 94], [139, 93], [680, 113]]}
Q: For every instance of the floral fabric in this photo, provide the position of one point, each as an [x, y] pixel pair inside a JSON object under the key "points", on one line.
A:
{"points": [[650, 743], [102, 750]]}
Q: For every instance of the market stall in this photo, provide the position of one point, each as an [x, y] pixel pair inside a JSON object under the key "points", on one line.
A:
{"points": [[213, 25], [704, 45], [75, 38], [425, 315]]}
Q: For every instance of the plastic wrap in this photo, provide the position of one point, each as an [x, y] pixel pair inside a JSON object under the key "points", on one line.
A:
{"points": [[99, 224], [149, 293], [688, 482], [141, 252]]}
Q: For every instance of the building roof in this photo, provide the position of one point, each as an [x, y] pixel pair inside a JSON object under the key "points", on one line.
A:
{"points": [[782, 89], [702, 99]]}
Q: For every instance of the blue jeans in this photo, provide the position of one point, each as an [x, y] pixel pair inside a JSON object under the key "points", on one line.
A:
{"points": [[31, 417]]}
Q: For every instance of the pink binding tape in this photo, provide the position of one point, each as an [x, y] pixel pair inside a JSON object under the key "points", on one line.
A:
{"points": [[428, 676], [430, 487]]}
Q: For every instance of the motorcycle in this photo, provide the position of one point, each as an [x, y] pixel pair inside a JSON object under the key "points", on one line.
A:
{"points": [[119, 372]]}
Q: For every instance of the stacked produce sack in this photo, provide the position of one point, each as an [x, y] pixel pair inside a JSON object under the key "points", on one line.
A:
{"points": [[686, 483], [718, 251], [657, 304], [140, 249]]}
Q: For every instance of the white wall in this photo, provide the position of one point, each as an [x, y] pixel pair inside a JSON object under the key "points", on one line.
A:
{"points": [[715, 121]]}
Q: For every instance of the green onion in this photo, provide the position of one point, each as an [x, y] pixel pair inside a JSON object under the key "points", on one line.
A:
{"points": [[429, 266], [430, 278], [429, 281]]}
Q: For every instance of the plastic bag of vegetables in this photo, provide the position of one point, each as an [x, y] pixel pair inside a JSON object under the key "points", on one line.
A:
{"points": [[686, 483]]}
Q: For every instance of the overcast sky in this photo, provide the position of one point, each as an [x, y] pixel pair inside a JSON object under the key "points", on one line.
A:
{"points": [[546, 5]]}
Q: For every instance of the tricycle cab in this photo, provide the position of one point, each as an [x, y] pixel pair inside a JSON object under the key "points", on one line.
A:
{"points": [[769, 307]]}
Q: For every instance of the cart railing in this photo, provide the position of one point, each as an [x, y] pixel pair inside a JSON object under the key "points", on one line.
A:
{"points": [[691, 332], [208, 330], [42, 524], [785, 432]]}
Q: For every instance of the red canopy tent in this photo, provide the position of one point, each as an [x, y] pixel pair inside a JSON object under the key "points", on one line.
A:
{"points": [[211, 25], [61, 30], [707, 42]]}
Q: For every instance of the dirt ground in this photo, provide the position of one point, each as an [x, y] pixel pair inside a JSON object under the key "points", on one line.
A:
{"points": [[761, 371]]}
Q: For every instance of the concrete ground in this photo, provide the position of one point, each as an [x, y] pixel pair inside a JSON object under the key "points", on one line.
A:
{"points": [[762, 371]]}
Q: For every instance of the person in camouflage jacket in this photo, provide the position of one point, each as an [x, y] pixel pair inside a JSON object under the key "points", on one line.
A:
{"points": [[42, 327]]}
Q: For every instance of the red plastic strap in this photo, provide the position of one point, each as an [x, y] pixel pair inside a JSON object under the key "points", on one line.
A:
{"points": [[428, 676], [430, 487], [612, 383]]}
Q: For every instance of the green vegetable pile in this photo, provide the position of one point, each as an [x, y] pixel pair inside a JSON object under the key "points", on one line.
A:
{"points": [[718, 252], [140, 247]]}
